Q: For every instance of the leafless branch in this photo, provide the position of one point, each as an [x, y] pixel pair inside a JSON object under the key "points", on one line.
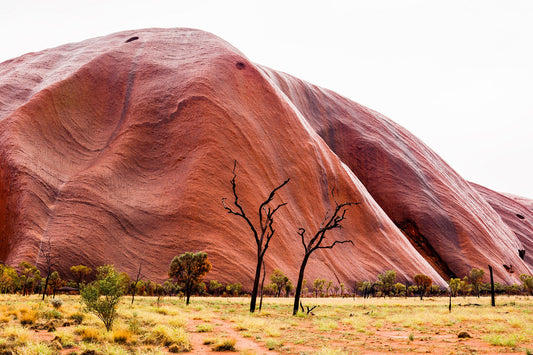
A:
{"points": [[332, 245], [329, 223], [301, 232], [264, 231], [240, 212], [309, 310]]}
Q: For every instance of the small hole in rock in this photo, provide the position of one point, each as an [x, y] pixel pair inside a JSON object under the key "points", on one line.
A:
{"points": [[240, 65], [520, 216], [131, 39]]}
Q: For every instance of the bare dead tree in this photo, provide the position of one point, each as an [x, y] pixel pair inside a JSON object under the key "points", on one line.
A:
{"points": [[134, 284], [265, 231], [315, 243], [49, 264], [309, 309], [262, 286]]}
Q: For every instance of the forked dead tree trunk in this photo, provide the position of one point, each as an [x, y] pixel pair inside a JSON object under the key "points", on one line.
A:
{"points": [[309, 309], [265, 231], [315, 243]]}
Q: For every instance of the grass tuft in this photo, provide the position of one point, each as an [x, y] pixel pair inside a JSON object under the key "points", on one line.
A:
{"points": [[122, 336], [89, 334], [51, 314], [224, 344], [204, 328], [164, 335], [272, 344], [27, 317]]}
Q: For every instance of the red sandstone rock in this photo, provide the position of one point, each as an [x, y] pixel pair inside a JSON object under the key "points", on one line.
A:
{"points": [[517, 213], [120, 152]]}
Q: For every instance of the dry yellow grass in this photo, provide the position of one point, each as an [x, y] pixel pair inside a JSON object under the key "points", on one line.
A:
{"points": [[339, 325]]}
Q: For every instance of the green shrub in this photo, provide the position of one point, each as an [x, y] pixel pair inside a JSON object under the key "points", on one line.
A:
{"points": [[103, 295]]}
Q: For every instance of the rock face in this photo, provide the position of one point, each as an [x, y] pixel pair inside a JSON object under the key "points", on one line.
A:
{"points": [[120, 149], [516, 214]]}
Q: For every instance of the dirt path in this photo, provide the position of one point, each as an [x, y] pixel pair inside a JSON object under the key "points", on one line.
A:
{"points": [[223, 329]]}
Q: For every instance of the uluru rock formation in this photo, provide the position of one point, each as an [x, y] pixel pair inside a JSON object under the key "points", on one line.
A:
{"points": [[119, 150]]}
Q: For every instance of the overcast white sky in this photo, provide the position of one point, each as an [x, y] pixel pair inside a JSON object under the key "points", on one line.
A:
{"points": [[458, 74]]}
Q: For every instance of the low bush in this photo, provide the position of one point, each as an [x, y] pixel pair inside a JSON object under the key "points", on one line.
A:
{"points": [[51, 314], [77, 317], [56, 303]]}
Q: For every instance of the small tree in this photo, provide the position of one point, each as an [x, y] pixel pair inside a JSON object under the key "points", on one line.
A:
{"points": [[103, 295], [159, 292], [289, 287], [189, 269], [55, 283], [49, 263], [30, 276], [464, 287], [318, 286], [399, 289], [335, 290], [423, 283], [328, 286], [454, 284], [527, 282], [330, 222], [365, 287], [80, 272], [387, 279], [475, 277], [215, 287], [169, 287], [279, 279], [134, 286], [234, 289], [9, 279]]}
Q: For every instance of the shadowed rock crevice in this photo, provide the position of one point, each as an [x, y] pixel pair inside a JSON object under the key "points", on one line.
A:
{"points": [[522, 253], [422, 245]]}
